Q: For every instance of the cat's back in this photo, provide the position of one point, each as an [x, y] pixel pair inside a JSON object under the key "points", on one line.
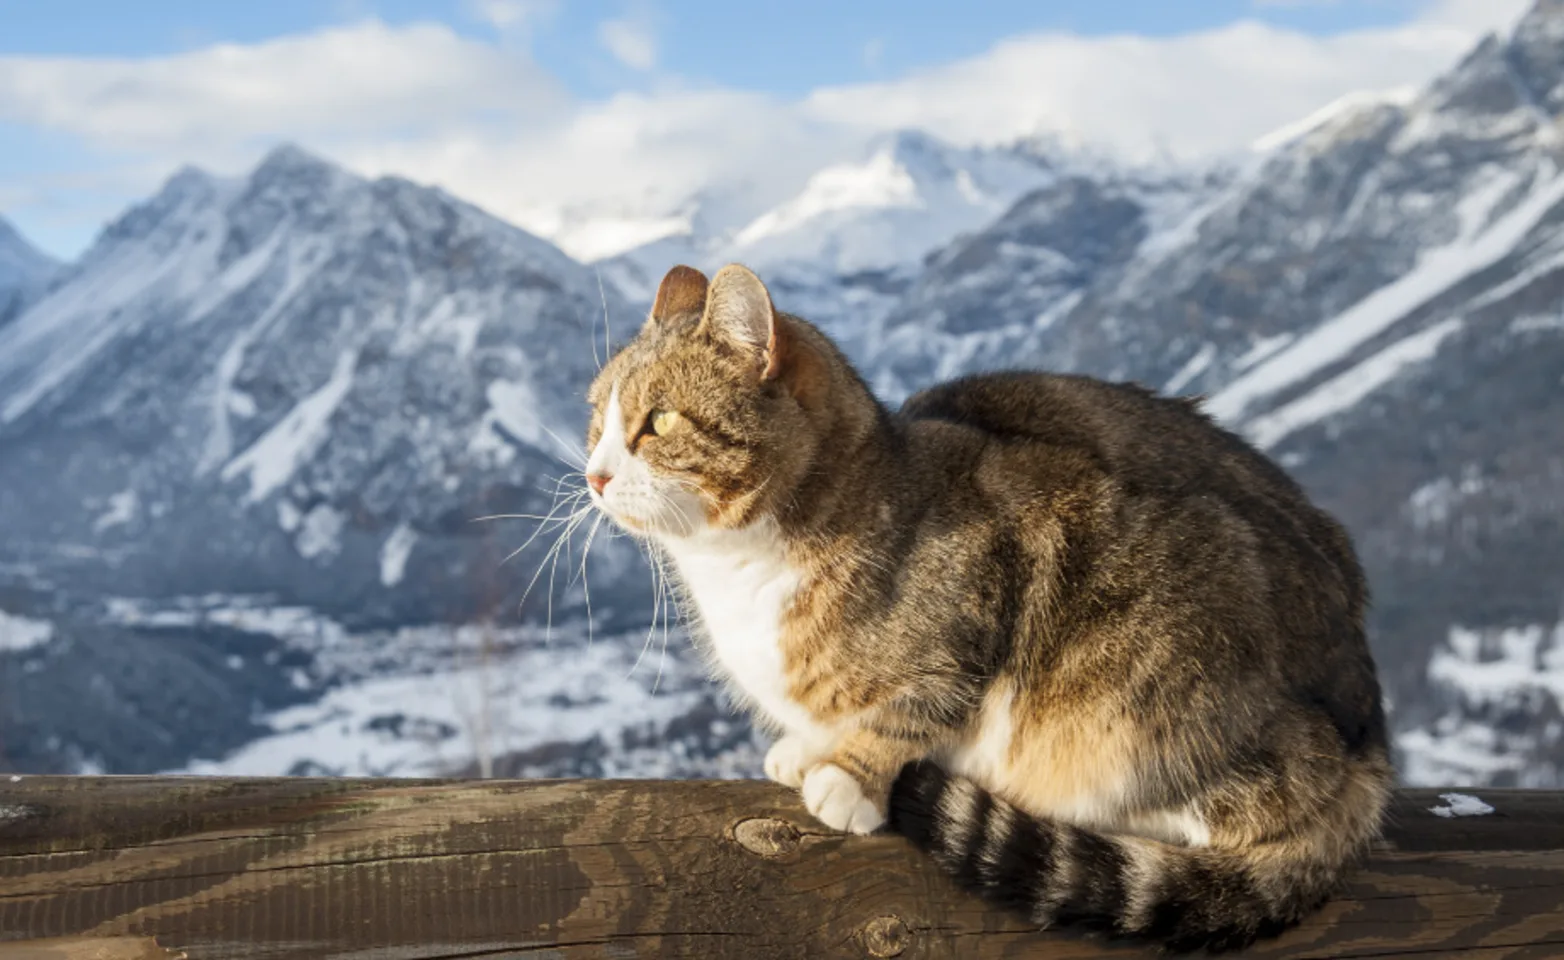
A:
{"points": [[1148, 442], [1153, 450]]}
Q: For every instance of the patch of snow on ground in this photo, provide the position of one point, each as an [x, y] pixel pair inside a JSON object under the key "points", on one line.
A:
{"points": [[394, 553], [298, 626], [19, 634], [1488, 676], [122, 509], [272, 459], [1460, 805], [436, 721], [320, 534], [1433, 502]]}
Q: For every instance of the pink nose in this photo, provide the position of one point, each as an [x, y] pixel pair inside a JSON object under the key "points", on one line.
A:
{"points": [[597, 481]]}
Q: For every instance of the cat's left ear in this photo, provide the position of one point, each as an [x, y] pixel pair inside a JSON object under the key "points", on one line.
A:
{"points": [[739, 310]]}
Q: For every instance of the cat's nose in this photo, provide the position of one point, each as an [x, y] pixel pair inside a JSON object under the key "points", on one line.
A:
{"points": [[597, 481]]}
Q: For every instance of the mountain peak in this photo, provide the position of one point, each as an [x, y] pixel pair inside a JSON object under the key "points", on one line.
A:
{"points": [[19, 259], [1536, 55], [290, 159]]}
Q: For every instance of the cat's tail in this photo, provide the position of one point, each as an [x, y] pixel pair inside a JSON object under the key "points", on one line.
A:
{"points": [[1185, 897]]}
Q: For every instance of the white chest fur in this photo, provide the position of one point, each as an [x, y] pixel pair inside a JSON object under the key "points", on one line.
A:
{"points": [[742, 584]]}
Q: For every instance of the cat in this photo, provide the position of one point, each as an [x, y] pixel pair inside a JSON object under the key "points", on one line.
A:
{"points": [[1099, 657]]}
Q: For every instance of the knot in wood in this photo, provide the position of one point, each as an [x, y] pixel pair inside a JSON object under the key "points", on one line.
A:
{"points": [[885, 937], [767, 837]]}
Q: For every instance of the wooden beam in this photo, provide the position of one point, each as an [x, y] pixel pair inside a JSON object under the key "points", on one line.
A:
{"points": [[133, 867]]}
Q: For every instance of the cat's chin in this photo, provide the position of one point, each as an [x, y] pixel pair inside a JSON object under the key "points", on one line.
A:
{"points": [[644, 528]]}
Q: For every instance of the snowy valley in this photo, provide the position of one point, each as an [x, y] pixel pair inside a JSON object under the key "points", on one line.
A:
{"points": [[246, 440]]}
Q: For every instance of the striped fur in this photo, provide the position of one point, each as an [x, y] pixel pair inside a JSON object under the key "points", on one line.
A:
{"points": [[1056, 873]]}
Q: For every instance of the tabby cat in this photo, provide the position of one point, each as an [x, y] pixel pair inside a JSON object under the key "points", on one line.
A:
{"points": [[1098, 656]]}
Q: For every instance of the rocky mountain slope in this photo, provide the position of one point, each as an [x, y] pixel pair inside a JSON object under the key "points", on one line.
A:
{"points": [[298, 386], [24, 272]]}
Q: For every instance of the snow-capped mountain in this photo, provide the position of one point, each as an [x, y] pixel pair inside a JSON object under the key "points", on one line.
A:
{"points": [[303, 387], [850, 242], [24, 272], [1379, 302], [242, 439]]}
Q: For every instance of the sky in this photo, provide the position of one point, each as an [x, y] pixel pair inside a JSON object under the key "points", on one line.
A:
{"points": [[554, 112]]}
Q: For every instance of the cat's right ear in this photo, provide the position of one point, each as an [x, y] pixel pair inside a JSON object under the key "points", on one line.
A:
{"points": [[682, 291]]}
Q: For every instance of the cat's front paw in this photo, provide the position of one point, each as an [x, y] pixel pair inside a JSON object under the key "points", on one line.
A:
{"points": [[787, 760], [836, 799]]}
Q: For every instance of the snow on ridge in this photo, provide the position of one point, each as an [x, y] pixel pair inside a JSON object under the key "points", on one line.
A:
{"points": [[881, 182], [1437, 270], [1344, 390], [1261, 349], [61, 333], [273, 458], [1335, 110], [1195, 366], [909, 195]]}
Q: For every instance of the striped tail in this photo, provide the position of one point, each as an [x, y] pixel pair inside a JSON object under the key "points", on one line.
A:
{"points": [[1185, 897]]}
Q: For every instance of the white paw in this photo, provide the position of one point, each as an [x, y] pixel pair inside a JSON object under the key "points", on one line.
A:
{"points": [[836, 799], [787, 760]]}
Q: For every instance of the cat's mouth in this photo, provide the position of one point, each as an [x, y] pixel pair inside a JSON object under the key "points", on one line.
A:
{"points": [[650, 512]]}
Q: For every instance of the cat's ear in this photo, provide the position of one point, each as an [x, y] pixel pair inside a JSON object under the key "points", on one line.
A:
{"points": [[739, 310], [682, 291]]}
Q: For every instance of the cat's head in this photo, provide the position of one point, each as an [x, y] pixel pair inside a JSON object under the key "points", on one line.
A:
{"points": [[710, 414]]}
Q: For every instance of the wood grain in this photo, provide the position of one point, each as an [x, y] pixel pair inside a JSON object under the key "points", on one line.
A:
{"points": [[130, 867]]}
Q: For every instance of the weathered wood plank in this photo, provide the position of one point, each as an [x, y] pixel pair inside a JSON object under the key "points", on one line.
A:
{"points": [[122, 867]]}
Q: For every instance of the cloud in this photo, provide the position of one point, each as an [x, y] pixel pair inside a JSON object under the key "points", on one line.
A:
{"points": [[1195, 95], [632, 39], [481, 119], [365, 79]]}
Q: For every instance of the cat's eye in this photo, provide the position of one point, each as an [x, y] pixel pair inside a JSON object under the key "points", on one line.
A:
{"points": [[662, 422]]}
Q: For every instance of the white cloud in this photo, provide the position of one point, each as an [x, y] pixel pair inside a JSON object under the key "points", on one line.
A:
{"points": [[1193, 95], [632, 40], [482, 120], [365, 79]]}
